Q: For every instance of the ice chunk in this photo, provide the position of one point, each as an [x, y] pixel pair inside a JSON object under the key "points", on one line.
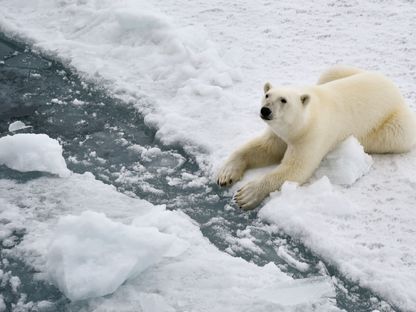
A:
{"points": [[91, 255], [17, 125], [33, 152], [78, 102], [300, 266], [346, 163], [15, 283]]}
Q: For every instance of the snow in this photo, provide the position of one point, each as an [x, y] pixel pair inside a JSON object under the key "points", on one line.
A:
{"points": [[368, 243], [91, 256], [196, 72], [346, 164], [192, 274], [32, 152]]}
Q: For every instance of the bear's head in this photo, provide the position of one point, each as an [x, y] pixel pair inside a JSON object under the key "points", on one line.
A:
{"points": [[285, 110]]}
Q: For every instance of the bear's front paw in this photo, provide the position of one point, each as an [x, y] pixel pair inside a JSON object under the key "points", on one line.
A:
{"points": [[230, 173], [250, 195]]}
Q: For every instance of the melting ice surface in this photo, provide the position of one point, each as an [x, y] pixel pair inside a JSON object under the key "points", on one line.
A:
{"points": [[90, 255], [167, 66], [90, 240], [93, 252], [55, 225]]}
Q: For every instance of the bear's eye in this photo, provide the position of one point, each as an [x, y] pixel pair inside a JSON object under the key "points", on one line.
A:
{"points": [[267, 96], [283, 100]]}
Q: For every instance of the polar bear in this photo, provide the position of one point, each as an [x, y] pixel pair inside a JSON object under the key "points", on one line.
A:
{"points": [[305, 123]]}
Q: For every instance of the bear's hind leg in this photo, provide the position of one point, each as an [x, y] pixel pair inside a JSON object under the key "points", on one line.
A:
{"points": [[397, 134], [338, 72]]}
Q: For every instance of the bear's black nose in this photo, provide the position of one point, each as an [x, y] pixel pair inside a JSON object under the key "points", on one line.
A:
{"points": [[265, 113]]}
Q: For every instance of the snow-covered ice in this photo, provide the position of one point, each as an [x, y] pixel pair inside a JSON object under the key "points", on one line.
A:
{"points": [[368, 243], [32, 152], [196, 72], [178, 73], [346, 163], [191, 276]]}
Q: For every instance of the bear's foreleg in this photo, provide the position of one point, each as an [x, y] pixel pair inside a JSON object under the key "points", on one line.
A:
{"points": [[298, 165], [262, 151]]}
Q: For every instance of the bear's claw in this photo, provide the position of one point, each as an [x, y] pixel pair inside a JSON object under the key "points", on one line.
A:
{"points": [[249, 196], [229, 174]]}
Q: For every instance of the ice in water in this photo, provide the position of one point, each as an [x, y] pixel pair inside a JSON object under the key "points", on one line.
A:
{"points": [[17, 125], [91, 255], [32, 152]]}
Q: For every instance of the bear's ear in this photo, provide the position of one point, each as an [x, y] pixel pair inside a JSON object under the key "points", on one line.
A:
{"points": [[267, 87], [305, 99]]}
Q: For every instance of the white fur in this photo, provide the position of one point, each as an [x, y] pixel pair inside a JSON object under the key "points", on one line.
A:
{"points": [[347, 101]]}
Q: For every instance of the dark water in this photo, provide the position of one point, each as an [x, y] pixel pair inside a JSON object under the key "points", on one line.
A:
{"points": [[97, 133]]}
